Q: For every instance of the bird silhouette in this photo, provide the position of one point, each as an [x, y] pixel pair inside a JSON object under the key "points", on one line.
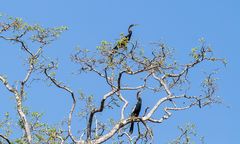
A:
{"points": [[122, 43], [136, 110]]}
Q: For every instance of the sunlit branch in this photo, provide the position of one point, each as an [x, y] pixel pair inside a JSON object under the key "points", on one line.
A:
{"points": [[19, 108], [65, 88]]}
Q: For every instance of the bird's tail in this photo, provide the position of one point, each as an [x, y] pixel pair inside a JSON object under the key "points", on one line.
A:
{"points": [[131, 128]]}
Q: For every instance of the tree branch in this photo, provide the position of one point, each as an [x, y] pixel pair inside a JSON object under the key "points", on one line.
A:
{"points": [[19, 108], [5, 138], [94, 111], [65, 88]]}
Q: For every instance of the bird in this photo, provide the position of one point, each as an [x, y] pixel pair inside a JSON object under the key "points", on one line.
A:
{"points": [[136, 110], [122, 43]]}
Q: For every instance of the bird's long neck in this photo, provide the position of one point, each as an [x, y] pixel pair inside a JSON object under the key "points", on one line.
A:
{"points": [[129, 34], [139, 100], [129, 31]]}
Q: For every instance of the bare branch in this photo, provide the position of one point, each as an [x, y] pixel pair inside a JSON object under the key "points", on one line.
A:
{"points": [[65, 88], [124, 106], [19, 108], [94, 111], [5, 138]]}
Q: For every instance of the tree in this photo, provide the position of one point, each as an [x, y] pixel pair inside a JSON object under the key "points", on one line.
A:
{"points": [[156, 74]]}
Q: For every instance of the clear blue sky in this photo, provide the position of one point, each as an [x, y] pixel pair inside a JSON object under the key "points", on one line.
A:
{"points": [[179, 23]]}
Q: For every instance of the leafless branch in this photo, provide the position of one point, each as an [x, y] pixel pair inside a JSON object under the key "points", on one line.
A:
{"points": [[5, 138], [19, 107], [65, 88], [94, 111]]}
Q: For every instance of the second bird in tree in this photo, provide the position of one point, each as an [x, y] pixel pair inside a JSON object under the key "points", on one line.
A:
{"points": [[136, 110]]}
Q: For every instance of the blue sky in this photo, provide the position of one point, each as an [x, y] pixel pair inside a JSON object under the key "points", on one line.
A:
{"points": [[178, 23]]}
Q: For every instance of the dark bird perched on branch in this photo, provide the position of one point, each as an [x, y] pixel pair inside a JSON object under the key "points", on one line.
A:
{"points": [[136, 110], [122, 43]]}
